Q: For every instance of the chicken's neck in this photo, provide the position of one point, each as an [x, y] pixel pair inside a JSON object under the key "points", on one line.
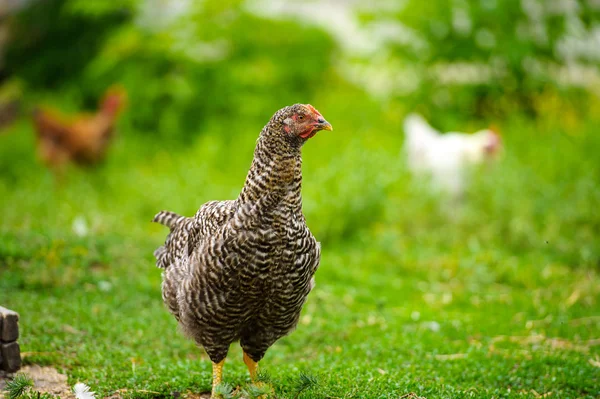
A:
{"points": [[276, 171]]}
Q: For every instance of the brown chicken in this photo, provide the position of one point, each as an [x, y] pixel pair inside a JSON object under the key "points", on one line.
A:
{"points": [[83, 138]]}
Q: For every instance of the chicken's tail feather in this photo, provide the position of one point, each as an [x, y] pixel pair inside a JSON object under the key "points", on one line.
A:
{"points": [[48, 124], [416, 126], [168, 219]]}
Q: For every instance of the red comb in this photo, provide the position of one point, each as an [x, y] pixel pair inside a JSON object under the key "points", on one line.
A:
{"points": [[313, 109]]}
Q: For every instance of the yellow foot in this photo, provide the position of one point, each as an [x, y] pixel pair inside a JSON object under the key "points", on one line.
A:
{"points": [[252, 367], [217, 377]]}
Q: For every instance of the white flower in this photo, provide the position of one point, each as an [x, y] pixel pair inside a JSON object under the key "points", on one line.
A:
{"points": [[82, 391]]}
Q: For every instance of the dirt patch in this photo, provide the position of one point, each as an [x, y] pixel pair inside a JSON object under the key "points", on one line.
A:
{"points": [[48, 379], [205, 395], [45, 379]]}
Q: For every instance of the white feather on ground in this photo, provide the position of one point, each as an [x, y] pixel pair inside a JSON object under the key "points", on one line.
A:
{"points": [[82, 391]]}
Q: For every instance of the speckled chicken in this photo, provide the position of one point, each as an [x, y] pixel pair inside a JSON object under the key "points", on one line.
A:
{"points": [[242, 269]]}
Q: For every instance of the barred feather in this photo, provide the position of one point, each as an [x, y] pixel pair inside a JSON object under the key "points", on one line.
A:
{"points": [[242, 269], [168, 219]]}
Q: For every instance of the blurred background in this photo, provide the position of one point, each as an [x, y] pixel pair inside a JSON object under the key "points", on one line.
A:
{"points": [[200, 79], [113, 110]]}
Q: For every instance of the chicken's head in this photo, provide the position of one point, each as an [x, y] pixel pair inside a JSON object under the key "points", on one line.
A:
{"points": [[114, 100], [494, 142], [301, 120]]}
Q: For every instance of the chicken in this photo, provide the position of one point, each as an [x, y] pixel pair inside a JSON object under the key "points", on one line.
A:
{"points": [[446, 157], [241, 269], [82, 139]]}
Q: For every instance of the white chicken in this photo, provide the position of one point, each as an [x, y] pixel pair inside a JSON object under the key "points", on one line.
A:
{"points": [[447, 157]]}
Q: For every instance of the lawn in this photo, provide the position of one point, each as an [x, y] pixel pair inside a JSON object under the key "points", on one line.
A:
{"points": [[494, 297]]}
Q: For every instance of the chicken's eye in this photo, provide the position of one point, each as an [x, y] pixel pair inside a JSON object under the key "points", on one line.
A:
{"points": [[300, 117]]}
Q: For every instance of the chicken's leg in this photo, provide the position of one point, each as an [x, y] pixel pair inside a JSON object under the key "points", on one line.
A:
{"points": [[217, 376], [252, 367]]}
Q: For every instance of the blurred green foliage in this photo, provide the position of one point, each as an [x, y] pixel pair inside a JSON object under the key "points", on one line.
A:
{"points": [[219, 70], [52, 43], [509, 55], [215, 62], [217, 59]]}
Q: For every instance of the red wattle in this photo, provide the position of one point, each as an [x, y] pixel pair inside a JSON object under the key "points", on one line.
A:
{"points": [[308, 134]]}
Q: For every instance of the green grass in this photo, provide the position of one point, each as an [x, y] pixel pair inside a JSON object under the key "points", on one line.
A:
{"points": [[495, 298]]}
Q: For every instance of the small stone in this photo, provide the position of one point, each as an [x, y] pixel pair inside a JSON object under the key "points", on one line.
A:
{"points": [[11, 357], [10, 325]]}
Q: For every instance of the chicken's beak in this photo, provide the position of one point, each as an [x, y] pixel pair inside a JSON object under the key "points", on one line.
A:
{"points": [[322, 124]]}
